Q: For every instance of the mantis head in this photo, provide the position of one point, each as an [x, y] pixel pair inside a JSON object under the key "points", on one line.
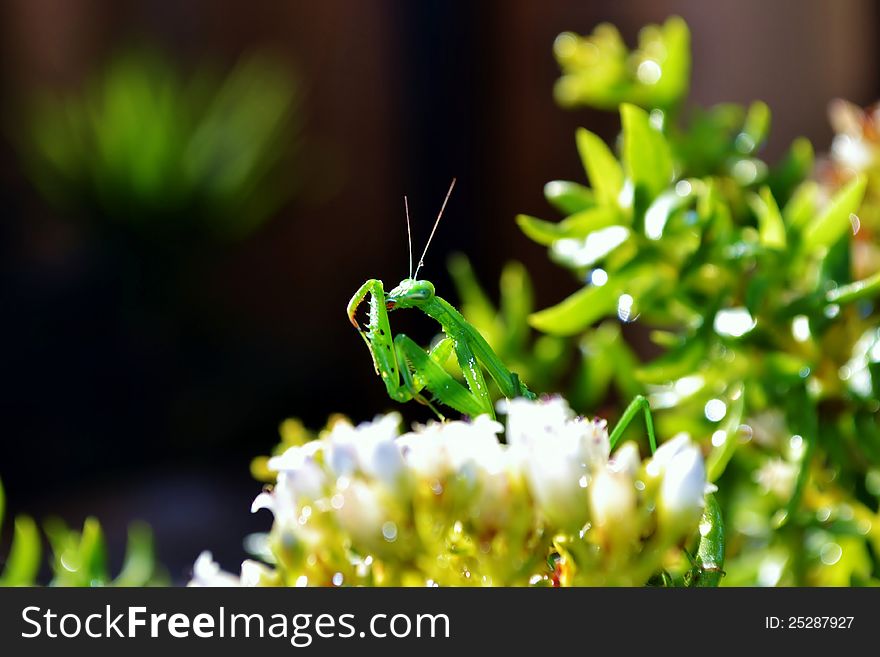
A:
{"points": [[410, 293]]}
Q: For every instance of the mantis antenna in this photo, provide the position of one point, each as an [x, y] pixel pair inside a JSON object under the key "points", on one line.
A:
{"points": [[408, 234], [433, 230]]}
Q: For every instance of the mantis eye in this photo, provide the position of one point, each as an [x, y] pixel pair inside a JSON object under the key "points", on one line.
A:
{"points": [[421, 291]]}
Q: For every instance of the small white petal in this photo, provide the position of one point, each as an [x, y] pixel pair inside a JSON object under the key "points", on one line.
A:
{"points": [[207, 573], [263, 501]]}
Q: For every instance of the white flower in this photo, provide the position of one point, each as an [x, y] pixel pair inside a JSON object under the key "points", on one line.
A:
{"points": [[293, 488], [494, 502], [557, 452], [369, 448], [558, 481], [299, 474], [666, 453], [626, 459], [613, 504], [683, 489], [531, 423], [852, 152], [362, 512], [207, 573], [254, 573], [440, 449]]}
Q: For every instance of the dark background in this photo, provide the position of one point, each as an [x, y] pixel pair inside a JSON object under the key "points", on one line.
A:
{"points": [[121, 407]]}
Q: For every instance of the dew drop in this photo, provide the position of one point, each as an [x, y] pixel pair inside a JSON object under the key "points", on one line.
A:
{"points": [[715, 410], [389, 531], [830, 553], [649, 72], [855, 222]]}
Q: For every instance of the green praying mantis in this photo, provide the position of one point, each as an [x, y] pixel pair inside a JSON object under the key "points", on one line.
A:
{"points": [[408, 370]]}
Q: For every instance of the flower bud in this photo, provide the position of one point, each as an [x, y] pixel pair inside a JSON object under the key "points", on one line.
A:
{"points": [[557, 452], [363, 513], [254, 573], [626, 459], [558, 483], [613, 505], [683, 489]]}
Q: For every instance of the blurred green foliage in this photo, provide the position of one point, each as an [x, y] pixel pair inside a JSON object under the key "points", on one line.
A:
{"points": [[741, 274], [600, 71], [144, 147], [77, 558]]}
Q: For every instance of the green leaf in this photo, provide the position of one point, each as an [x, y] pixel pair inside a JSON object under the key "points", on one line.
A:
{"points": [[606, 358], [580, 252], [756, 127], [791, 171], [538, 230], [93, 553], [23, 562], [569, 197], [802, 205], [516, 303], [577, 225], [771, 229], [866, 288], [803, 417], [577, 312], [834, 221], [139, 565], [646, 155], [603, 170], [674, 364], [593, 302], [710, 553], [475, 304], [624, 362], [673, 84]]}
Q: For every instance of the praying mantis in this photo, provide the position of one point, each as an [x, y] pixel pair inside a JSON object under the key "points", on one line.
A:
{"points": [[408, 370]]}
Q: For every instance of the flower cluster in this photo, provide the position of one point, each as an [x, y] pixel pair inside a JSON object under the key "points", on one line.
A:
{"points": [[451, 504]]}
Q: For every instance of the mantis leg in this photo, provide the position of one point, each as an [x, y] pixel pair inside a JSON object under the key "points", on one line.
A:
{"points": [[378, 338], [473, 374], [456, 327], [422, 368], [640, 403]]}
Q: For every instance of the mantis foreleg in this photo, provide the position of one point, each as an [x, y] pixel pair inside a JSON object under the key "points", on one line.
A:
{"points": [[435, 379], [639, 403], [476, 350], [473, 374]]}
